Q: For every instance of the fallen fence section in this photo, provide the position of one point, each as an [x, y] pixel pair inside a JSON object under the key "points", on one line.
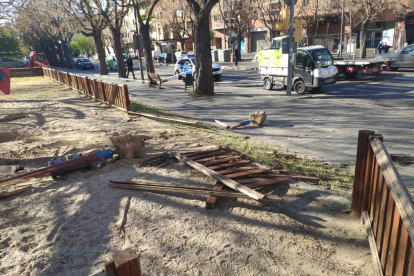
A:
{"points": [[384, 204], [110, 93], [26, 72]]}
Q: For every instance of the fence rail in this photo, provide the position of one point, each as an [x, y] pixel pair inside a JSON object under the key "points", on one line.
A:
{"points": [[384, 203], [26, 72], [109, 93]]}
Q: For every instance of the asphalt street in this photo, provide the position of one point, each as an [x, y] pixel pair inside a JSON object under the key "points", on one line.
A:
{"points": [[323, 126]]}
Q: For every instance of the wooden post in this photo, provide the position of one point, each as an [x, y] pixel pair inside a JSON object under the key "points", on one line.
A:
{"points": [[125, 263], [360, 168]]}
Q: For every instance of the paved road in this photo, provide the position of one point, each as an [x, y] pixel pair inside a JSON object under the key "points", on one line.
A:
{"points": [[323, 125]]}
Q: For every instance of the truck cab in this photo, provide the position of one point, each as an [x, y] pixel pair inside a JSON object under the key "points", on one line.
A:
{"points": [[313, 66]]}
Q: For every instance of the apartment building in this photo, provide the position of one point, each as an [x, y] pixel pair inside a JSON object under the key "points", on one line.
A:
{"points": [[392, 26]]}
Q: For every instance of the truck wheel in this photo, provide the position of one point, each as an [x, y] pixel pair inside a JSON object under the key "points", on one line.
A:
{"points": [[350, 75], [299, 87], [267, 84]]}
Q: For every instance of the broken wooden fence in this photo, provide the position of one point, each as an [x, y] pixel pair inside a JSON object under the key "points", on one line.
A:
{"points": [[26, 72], [384, 204], [110, 93]]}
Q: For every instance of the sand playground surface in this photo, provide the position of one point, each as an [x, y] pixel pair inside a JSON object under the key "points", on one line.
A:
{"points": [[70, 226]]}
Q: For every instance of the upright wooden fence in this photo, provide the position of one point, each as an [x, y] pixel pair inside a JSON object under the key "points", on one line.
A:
{"points": [[26, 72], [109, 93], [384, 204]]}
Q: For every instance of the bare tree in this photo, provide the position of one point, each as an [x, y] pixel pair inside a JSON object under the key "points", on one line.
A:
{"points": [[144, 10], [179, 19], [239, 16], [367, 11], [314, 12], [114, 13], [270, 14], [204, 84], [91, 24]]}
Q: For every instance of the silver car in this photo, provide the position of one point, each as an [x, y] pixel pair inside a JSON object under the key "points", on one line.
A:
{"points": [[400, 59]]}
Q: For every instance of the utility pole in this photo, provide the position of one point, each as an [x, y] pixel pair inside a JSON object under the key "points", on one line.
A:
{"points": [[342, 30], [291, 3]]}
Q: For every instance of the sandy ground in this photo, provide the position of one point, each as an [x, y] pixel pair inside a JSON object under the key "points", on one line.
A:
{"points": [[70, 226]]}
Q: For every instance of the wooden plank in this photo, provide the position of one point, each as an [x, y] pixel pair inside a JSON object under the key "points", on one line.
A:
{"points": [[245, 173], [181, 120], [397, 187], [372, 245], [392, 248], [252, 180], [378, 202], [200, 156], [387, 232], [374, 192], [229, 165], [234, 170], [360, 166], [193, 153], [382, 215], [189, 190], [15, 192], [296, 177], [411, 264], [213, 200], [212, 158], [220, 161], [403, 251], [367, 185], [228, 182], [268, 182]]}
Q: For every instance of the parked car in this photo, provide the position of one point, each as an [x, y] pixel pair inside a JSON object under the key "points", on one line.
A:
{"points": [[1, 63], [190, 54], [186, 66], [178, 55], [23, 63], [403, 58], [84, 63], [165, 57], [256, 57]]}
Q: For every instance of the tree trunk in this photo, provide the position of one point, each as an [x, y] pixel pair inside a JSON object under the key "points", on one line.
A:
{"points": [[97, 37], [116, 34], [146, 42], [316, 32], [204, 84], [60, 53], [182, 41], [66, 52], [363, 39], [239, 39]]}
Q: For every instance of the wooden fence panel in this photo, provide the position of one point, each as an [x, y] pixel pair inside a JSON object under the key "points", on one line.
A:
{"points": [[26, 72], [108, 92], [386, 206]]}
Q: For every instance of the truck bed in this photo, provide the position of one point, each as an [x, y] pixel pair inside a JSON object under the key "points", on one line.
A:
{"points": [[366, 61]]}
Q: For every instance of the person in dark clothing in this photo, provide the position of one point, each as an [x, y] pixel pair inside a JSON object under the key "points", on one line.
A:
{"points": [[130, 65], [236, 55], [380, 47], [386, 47]]}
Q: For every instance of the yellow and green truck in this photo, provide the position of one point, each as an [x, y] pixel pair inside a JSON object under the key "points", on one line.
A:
{"points": [[313, 66]]}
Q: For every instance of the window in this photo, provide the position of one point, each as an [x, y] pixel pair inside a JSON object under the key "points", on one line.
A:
{"points": [[179, 13], [408, 49], [306, 2], [217, 17], [322, 57], [302, 58], [276, 44], [41, 58]]}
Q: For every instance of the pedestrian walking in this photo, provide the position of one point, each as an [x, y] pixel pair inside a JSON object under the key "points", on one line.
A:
{"points": [[236, 55], [130, 67], [380, 47]]}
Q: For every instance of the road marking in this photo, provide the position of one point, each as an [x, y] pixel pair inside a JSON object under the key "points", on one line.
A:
{"points": [[224, 82]]}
